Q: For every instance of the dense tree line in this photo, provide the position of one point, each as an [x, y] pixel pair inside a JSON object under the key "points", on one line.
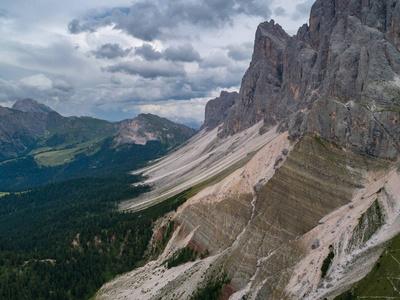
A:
{"points": [[182, 256], [212, 288], [64, 240]]}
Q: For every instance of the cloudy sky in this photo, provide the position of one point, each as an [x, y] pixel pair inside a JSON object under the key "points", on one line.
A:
{"points": [[116, 59]]}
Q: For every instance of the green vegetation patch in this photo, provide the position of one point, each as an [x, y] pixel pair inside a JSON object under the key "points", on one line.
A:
{"points": [[383, 281], [182, 256], [212, 289], [327, 262], [368, 224], [50, 157], [323, 142], [55, 158]]}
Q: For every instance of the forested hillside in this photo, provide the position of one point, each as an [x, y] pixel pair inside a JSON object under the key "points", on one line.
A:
{"points": [[64, 240]]}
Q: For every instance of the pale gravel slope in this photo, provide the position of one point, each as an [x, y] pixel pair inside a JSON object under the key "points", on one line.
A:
{"points": [[259, 169], [203, 157]]}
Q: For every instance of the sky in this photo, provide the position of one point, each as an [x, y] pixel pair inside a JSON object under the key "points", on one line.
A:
{"points": [[115, 59]]}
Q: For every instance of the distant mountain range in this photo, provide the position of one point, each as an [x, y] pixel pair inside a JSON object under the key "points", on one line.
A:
{"points": [[38, 145]]}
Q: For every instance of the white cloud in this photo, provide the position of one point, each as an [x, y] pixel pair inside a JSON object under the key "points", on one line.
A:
{"points": [[39, 81]]}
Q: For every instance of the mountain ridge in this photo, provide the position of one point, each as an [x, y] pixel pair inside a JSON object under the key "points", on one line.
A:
{"points": [[216, 111], [38, 145], [29, 121], [348, 51]]}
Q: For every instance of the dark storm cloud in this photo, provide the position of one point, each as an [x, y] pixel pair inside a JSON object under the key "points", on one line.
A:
{"points": [[144, 20], [115, 80], [76, 27], [148, 52], [110, 51], [147, 69], [240, 52], [147, 19], [181, 53], [208, 80], [184, 53], [254, 8], [3, 13], [164, 79], [16, 90], [162, 84], [280, 11]]}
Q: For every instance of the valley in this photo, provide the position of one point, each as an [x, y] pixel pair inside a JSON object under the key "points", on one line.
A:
{"points": [[70, 147], [290, 189]]}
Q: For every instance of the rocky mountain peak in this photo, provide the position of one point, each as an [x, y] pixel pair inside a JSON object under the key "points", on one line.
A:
{"points": [[31, 105], [346, 58], [261, 81], [217, 109], [271, 30]]}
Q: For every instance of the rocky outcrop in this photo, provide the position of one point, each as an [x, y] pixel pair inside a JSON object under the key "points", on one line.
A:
{"points": [[262, 81], [217, 109], [348, 54], [148, 127]]}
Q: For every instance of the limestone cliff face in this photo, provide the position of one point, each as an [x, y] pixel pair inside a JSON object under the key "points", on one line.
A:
{"points": [[31, 105], [348, 55], [262, 81], [217, 109]]}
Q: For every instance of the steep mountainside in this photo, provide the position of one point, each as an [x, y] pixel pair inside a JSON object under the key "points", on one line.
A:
{"points": [[346, 59], [298, 191], [217, 110]]}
